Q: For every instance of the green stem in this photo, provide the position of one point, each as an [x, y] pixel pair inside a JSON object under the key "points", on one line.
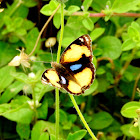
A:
{"points": [[118, 77], [58, 58], [14, 8], [34, 100], [82, 118], [61, 34], [43, 28], [135, 87]]}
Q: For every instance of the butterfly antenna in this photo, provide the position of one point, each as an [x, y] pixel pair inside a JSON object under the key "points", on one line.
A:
{"points": [[51, 51], [39, 61]]}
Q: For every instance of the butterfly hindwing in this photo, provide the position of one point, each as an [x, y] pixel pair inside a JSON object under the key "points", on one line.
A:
{"points": [[75, 73], [51, 76]]}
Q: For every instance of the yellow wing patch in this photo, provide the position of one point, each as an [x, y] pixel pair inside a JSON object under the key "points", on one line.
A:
{"points": [[83, 80], [84, 77], [53, 77], [75, 53], [74, 87]]}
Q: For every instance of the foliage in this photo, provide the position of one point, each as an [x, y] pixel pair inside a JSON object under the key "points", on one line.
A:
{"points": [[27, 107]]}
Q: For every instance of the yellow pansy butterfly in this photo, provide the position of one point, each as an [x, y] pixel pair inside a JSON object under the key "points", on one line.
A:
{"points": [[75, 72]]}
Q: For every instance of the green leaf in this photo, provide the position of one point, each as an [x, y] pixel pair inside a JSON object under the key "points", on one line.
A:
{"points": [[129, 109], [95, 62], [128, 90], [30, 3], [98, 51], [20, 32], [73, 2], [40, 127], [49, 8], [125, 36], [63, 116], [5, 76], [19, 111], [20, 76], [98, 6], [134, 131], [13, 39], [114, 129], [88, 24], [111, 47], [96, 33], [7, 52], [44, 136], [4, 108], [17, 22], [11, 91], [57, 20], [52, 137], [92, 88], [72, 117], [23, 130], [31, 40], [22, 115], [27, 24], [120, 6], [102, 82], [86, 4], [134, 34], [128, 76], [135, 25], [101, 120], [66, 41], [72, 9], [100, 71], [78, 135], [109, 77], [73, 22], [125, 129], [41, 89], [128, 45], [42, 111], [21, 11], [67, 125]]}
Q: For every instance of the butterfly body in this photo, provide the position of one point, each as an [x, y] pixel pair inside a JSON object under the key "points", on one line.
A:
{"points": [[75, 72]]}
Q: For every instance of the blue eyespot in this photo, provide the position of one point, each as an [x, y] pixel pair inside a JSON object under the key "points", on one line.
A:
{"points": [[75, 67]]}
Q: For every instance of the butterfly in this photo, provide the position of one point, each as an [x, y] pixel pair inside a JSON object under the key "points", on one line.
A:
{"points": [[75, 72]]}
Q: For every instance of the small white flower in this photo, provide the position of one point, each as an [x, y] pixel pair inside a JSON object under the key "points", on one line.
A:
{"points": [[50, 42], [31, 75], [1, 10], [31, 104], [21, 59], [15, 61]]}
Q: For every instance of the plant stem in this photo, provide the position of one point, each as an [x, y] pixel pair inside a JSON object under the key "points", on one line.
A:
{"points": [[118, 77], [14, 8], [107, 58], [82, 118], [57, 113], [45, 25], [61, 34], [135, 87], [58, 58], [34, 100], [103, 14]]}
